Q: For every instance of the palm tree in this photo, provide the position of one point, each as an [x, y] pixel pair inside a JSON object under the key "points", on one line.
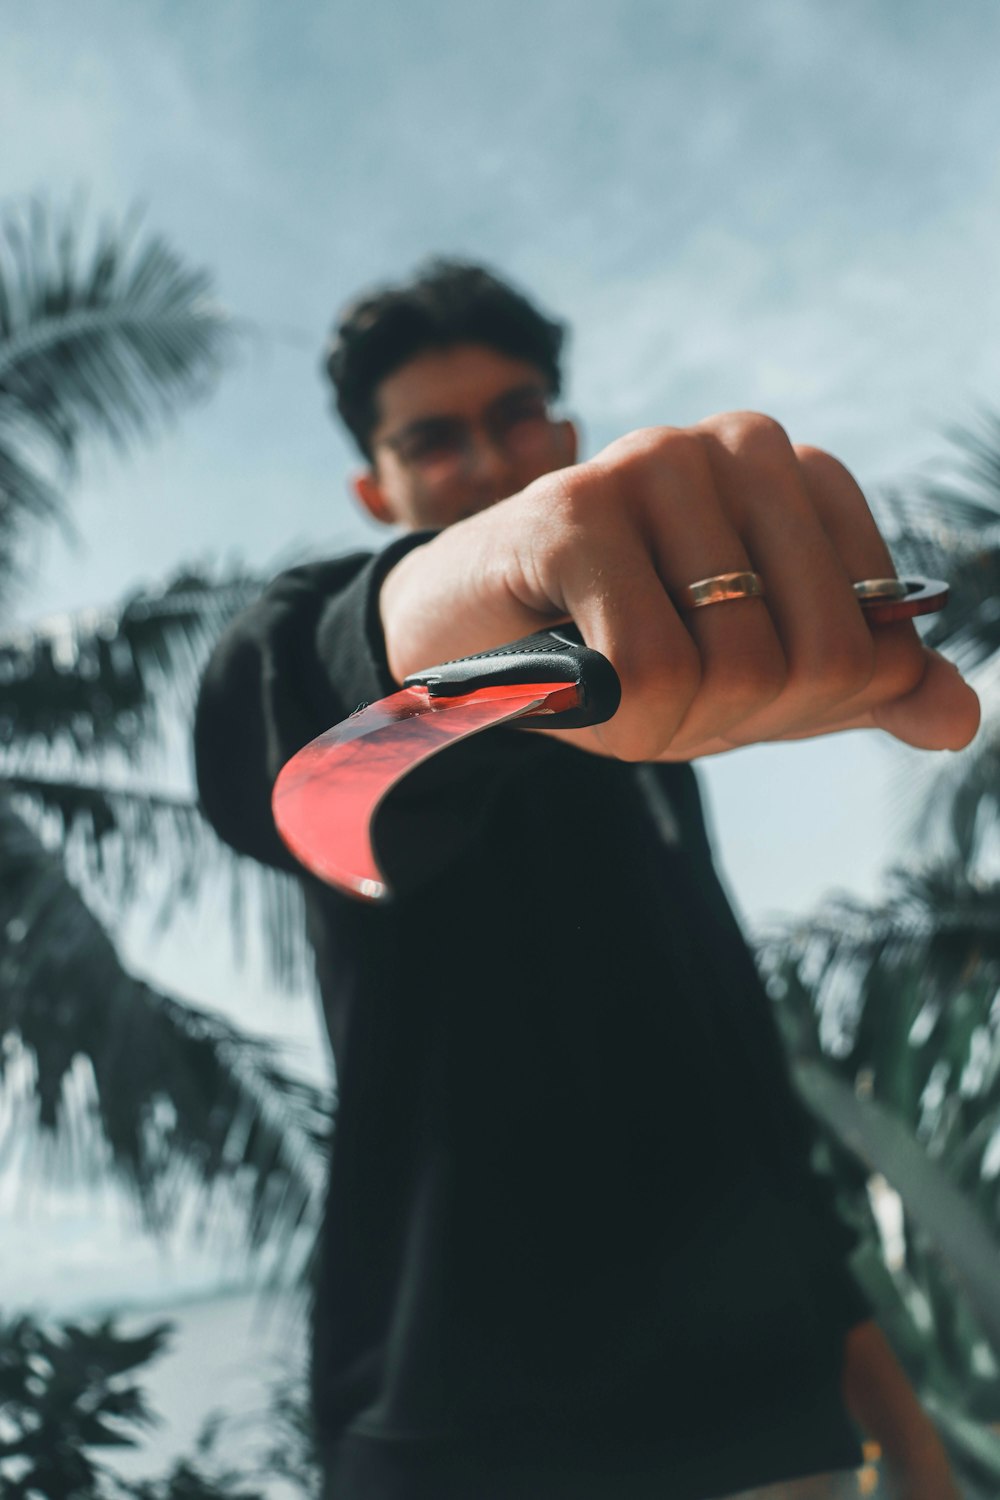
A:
{"points": [[106, 342], [892, 1013], [71, 1395]]}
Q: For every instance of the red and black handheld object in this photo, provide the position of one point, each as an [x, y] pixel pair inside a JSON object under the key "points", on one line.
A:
{"points": [[326, 798]]}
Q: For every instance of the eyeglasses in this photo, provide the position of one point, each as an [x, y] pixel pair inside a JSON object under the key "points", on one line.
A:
{"points": [[518, 423]]}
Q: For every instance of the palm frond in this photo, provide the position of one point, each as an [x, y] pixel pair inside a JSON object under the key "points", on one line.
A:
{"points": [[892, 1010], [177, 1099], [977, 444], [95, 709], [96, 678], [954, 808], [894, 1019], [110, 834], [938, 1301], [923, 906], [960, 493], [903, 998], [968, 630], [106, 340], [65, 1392], [130, 848], [933, 1202], [948, 525]]}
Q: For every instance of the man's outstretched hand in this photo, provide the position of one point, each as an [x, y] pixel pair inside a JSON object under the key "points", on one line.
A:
{"points": [[610, 544]]}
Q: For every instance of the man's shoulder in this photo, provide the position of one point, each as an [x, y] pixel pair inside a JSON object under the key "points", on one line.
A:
{"points": [[279, 623], [316, 579], [296, 597]]}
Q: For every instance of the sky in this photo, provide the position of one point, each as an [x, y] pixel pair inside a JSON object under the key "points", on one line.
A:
{"points": [[790, 206]]}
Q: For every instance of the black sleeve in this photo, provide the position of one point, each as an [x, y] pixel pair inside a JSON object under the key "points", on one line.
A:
{"points": [[298, 660], [305, 656]]}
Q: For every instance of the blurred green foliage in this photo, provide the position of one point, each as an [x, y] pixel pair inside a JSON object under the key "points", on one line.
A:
{"points": [[891, 1011]]}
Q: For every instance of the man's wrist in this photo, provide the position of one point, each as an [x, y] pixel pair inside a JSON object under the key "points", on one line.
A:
{"points": [[393, 594], [447, 599]]}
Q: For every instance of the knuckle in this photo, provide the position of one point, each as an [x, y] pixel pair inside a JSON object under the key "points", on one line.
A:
{"points": [[567, 503], [676, 449], [843, 667], [822, 463], [655, 698], [761, 437], [828, 472], [568, 489], [754, 435], [743, 684], [900, 660], [760, 679], [679, 444]]}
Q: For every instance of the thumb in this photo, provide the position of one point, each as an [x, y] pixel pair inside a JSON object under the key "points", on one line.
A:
{"points": [[940, 713]]}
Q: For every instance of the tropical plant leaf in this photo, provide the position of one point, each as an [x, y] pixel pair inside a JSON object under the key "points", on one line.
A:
{"points": [[948, 526], [960, 492], [130, 849], [178, 1099], [892, 1013], [107, 338], [95, 710], [971, 1443], [94, 679], [977, 446], [941, 1319], [143, 826], [63, 1392], [903, 999], [953, 808], [69, 1391], [885, 1146], [892, 1009]]}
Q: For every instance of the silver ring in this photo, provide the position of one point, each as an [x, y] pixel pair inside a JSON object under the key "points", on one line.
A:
{"points": [[880, 588], [720, 589]]}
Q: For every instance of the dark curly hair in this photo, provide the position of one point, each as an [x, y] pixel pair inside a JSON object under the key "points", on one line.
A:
{"points": [[446, 302]]}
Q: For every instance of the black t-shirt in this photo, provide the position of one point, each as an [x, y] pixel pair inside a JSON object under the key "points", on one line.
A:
{"points": [[572, 1235]]}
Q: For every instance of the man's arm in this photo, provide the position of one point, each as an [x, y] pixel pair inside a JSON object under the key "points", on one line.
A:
{"points": [[883, 1403], [280, 674], [300, 658], [611, 544]]}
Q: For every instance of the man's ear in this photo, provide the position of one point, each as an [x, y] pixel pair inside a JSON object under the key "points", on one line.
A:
{"points": [[368, 491]]}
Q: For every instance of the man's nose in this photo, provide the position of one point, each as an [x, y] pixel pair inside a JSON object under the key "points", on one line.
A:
{"points": [[486, 459]]}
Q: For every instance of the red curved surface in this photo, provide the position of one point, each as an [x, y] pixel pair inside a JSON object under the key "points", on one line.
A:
{"points": [[325, 799]]}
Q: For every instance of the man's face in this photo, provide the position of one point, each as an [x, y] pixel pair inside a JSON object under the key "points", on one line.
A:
{"points": [[459, 429]]}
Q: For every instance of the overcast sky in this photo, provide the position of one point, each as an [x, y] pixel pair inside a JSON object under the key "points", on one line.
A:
{"points": [[787, 205]]}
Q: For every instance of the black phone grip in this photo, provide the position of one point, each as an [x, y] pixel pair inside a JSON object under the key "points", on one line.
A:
{"points": [[555, 655]]}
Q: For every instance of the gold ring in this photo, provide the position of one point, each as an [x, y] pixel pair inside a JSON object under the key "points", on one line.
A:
{"points": [[720, 588], [880, 588]]}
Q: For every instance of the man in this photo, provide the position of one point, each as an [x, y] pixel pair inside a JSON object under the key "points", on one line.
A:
{"points": [[573, 1244]]}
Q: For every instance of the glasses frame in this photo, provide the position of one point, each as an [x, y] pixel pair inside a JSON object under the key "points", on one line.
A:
{"points": [[458, 434]]}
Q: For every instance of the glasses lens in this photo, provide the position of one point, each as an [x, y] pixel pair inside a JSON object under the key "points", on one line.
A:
{"points": [[516, 424], [521, 422], [432, 443]]}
